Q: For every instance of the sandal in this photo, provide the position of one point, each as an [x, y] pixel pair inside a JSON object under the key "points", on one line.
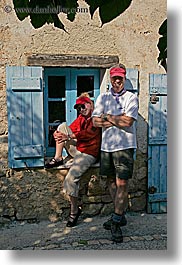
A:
{"points": [[73, 218], [54, 163]]}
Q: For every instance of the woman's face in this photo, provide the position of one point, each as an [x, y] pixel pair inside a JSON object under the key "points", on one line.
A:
{"points": [[85, 109]]}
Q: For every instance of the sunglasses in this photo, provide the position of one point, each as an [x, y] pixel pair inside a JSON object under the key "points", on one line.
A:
{"points": [[82, 106]]}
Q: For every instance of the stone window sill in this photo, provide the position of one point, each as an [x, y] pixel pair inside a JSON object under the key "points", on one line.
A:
{"points": [[68, 163]]}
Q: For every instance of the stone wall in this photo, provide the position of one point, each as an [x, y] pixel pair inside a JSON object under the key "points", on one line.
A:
{"points": [[37, 194], [133, 37]]}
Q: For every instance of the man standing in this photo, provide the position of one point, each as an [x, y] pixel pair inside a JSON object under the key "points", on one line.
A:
{"points": [[116, 112]]}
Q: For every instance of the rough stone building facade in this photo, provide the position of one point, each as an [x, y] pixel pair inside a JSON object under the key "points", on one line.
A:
{"points": [[131, 38]]}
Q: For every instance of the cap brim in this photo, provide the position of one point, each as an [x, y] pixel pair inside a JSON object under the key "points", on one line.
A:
{"points": [[118, 75]]}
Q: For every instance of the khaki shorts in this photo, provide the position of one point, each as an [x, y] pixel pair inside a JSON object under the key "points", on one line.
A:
{"points": [[117, 164], [81, 162]]}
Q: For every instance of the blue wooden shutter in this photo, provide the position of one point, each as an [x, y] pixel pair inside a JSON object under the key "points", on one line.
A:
{"points": [[25, 117], [157, 144], [132, 83]]}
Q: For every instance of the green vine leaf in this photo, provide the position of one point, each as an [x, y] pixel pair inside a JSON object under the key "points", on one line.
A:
{"points": [[18, 5], [109, 9], [162, 45]]}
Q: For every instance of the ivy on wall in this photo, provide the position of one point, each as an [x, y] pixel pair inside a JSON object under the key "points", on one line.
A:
{"points": [[46, 11]]}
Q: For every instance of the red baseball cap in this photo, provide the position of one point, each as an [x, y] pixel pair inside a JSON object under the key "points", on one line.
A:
{"points": [[117, 71], [82, 100]]}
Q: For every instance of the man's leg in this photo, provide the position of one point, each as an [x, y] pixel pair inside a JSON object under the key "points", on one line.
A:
{"points": [[112, 189], [119, 193], [123, 162], [120, 203], [115, 198], [121, 196]]}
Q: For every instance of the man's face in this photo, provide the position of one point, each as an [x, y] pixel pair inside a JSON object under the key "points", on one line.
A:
{"points": [[85, 109], [117, 83]]}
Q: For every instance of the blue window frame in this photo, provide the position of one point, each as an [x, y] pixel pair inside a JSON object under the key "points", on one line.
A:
{"points": [[62, 87]]}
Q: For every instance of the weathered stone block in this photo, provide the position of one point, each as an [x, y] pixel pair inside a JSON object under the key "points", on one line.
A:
{"points": [[137, 203], [92, 209]]}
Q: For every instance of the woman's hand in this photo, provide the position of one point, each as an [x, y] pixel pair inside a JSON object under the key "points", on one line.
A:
{"points": [[60, 137]]}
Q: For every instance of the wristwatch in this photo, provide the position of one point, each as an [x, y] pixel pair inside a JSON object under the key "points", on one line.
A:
{"points": [[104, 117], [69, 138]]}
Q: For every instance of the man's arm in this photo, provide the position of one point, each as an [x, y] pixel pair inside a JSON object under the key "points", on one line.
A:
{"points": [[107, 120], [100, 122], [120, 120]]}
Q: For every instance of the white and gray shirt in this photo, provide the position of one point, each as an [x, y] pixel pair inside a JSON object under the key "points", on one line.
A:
{"points": [[114, 138]]}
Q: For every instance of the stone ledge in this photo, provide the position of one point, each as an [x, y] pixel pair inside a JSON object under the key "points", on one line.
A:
{"points": [[72, 60], [68, 163], [67, 166]]}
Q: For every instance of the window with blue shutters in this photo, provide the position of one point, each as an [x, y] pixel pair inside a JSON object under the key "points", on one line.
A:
{"points": [[38, 100]]}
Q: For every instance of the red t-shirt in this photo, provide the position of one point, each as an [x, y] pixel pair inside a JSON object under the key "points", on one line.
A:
{"points": [[88, 137]]}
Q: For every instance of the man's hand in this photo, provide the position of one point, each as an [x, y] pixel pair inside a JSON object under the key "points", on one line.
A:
{"points": [[120, 121], [100, 122], [108, 120]]}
